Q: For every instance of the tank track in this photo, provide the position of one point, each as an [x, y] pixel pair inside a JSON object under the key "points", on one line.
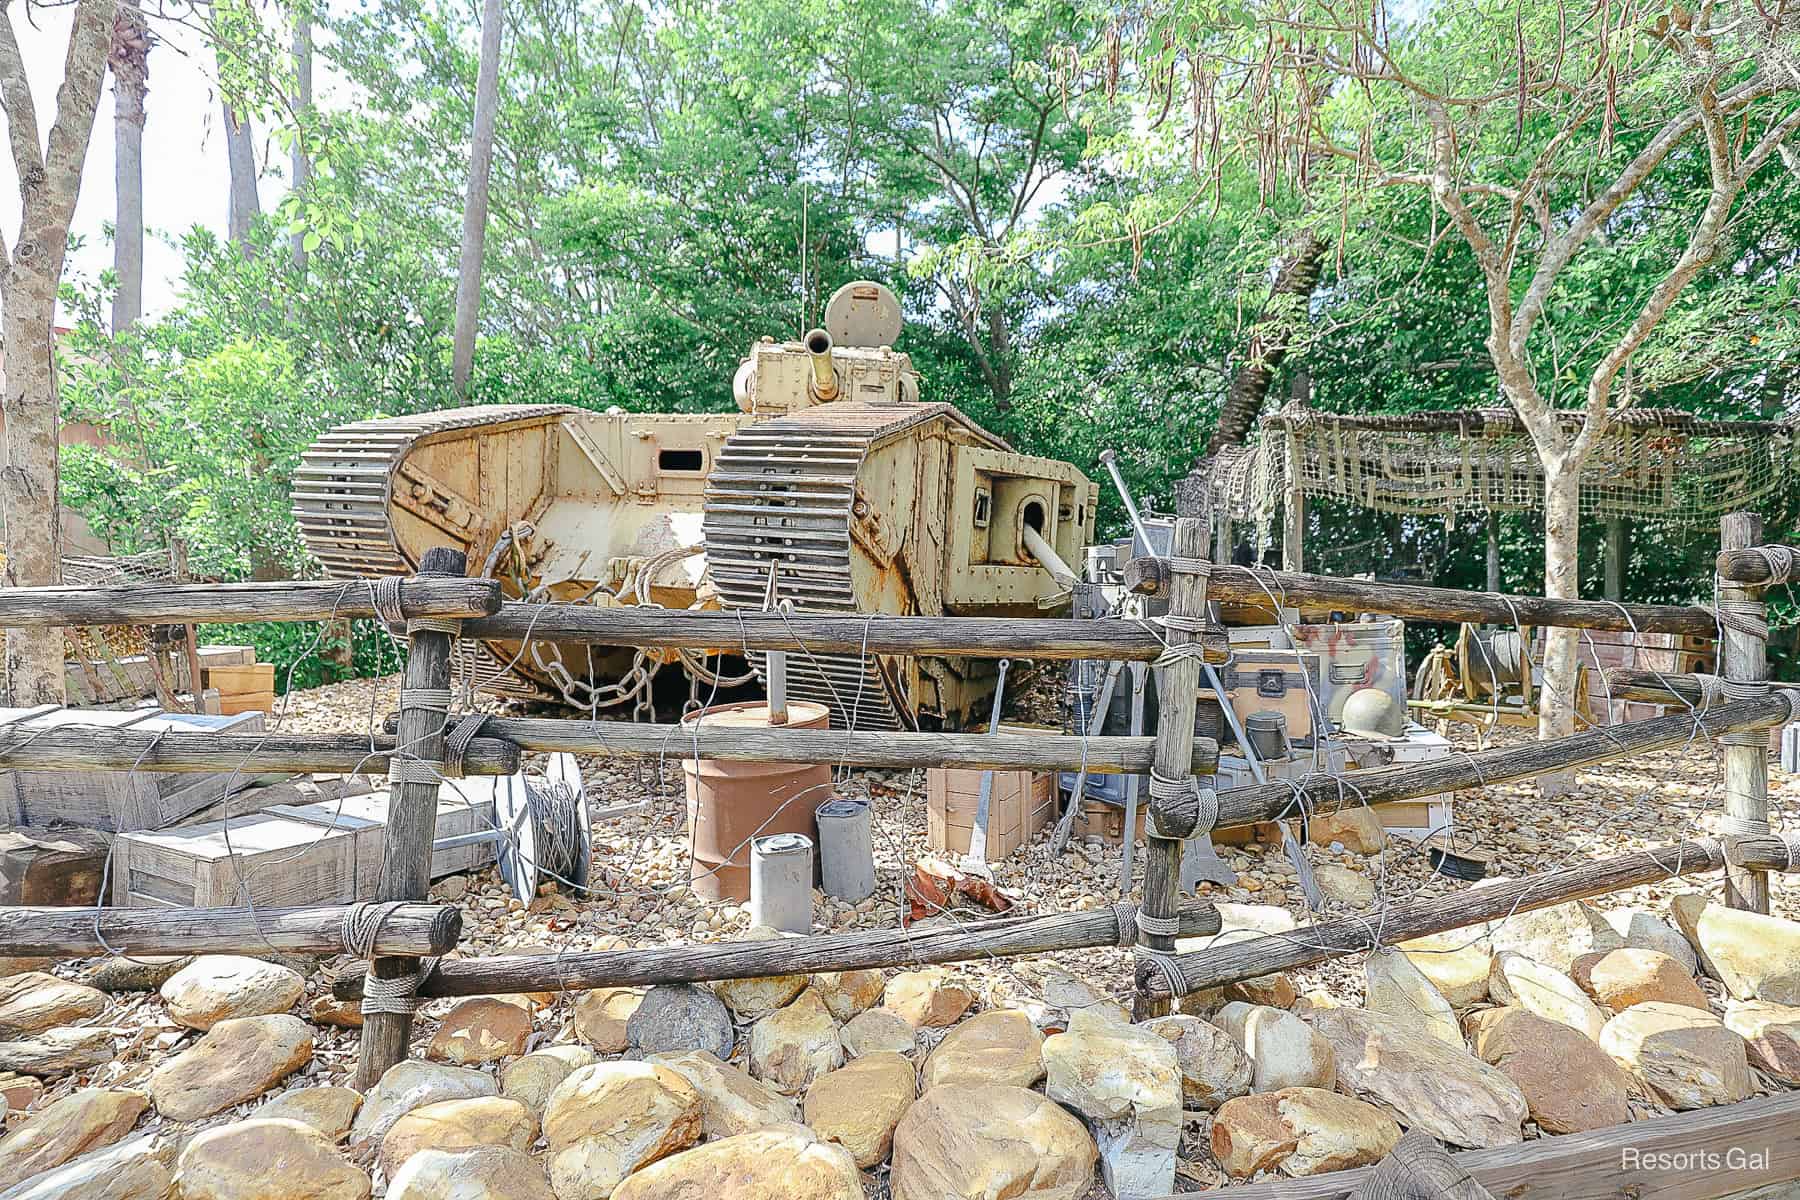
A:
{"points": [[781, 492]]}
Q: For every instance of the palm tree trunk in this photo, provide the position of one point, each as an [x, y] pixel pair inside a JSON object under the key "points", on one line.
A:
{"points": [[481, 162]]}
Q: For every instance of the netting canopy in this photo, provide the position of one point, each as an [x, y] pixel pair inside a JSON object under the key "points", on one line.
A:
{"points": [[1651, 463]]}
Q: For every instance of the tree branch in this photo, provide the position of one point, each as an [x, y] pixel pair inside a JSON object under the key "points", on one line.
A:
{"points": [[15, 98], [77, 100]]}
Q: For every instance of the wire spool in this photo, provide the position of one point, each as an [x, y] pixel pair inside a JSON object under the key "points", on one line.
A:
{"points": [[1456, 858], [1490, 663], [545, 836]]}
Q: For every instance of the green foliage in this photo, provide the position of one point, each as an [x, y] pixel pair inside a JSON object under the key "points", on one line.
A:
{"points": [[307, 654]]}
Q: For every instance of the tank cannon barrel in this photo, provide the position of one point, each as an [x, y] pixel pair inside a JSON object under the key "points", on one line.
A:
{"points": [[824, 375]]}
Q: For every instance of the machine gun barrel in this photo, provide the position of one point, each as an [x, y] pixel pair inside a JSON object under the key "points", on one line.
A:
{"points": [[824, 377]]}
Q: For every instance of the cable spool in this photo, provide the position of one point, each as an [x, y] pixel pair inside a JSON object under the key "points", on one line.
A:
{"points": [[1490, 663], [545, 835]]}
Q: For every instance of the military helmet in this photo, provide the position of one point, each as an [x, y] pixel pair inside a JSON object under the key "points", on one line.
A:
{"points": [[1374, 713]]}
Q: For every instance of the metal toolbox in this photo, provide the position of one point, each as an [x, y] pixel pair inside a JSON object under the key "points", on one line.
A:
{"points": [[1356, 655], [1280, 681]]}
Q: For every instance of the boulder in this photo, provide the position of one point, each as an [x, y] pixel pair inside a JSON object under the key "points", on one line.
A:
{"points": [[731, 1100], [680, 1016], [1392, 985], [57, 1052], [219, 987], [1644, 930], [1756, 957], [458, 1125], [409, 1084], [237, 1060], [1341, 885], [121, 974], [68, 1128], [329, 1010], [1213, 1067], [878, 1029], [859, 1106], [605, 1121], [751, 999], [795, 1045], [1555, 936], [1284, 1051], [847, 993], [787, 1162], [479, 1030], [1048, 994], [1771, 1034], [478, 1173], [265, 1160], [1569, 1083], [1544, 990], [1457, 963], [1685, 1056], [134, 1170], [330, 1110], [1302, 1131], [1357, 829], [929, 999], [33, 1002], [531, 1079], [602, 1014], [1002, 1046], [1274, 991], [986, 1141], [1424, 1082], [1126, 1081], [1621, 978]]}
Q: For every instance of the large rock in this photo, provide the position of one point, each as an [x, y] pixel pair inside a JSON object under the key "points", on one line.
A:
{"points": [[1213, 1067], [133, 1170], [531, 1079], [68, 1128], [1621, 978], [330, 1110], [1341, 885], [751, 999], [407, 1085], [1544, 990], [33, 1002], [57, 1052], [219, 987], [1555, 936], [329, 1010], [238, 1060], [1457, 962], [1771, 1034], [795, 1045], [787, 1162], [458, 1125], [478, 1173], [1392, 985], [1426, 1084], [610, 1119], [1644, 930], [680, 1016], [1569, 1083], [1002, 1046], [876, 1030], [1356, 828], [929, 999], [119, 973], [1302, 1131], [602, 1014], [859, 1106], [847, 993], [1687, 1057], [1756, 957], [731, 1100], [1126, 1081], [987, 1142], [1048, 994], [265, 1160], [1283, 1050], [480, 1030]]}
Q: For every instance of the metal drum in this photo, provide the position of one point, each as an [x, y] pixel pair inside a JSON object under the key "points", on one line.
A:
{"points": [[731, 802]]}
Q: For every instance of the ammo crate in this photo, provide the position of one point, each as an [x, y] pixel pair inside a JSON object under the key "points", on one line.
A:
{"points": [[366, 817], [1023, 802], [262, 859]]}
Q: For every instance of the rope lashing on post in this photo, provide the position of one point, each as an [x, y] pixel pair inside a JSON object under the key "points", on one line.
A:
{"points": [[1165, 964], [457, 741], [1780, 561], [386, 595], [1179, 565], [1206, 800], [1157, 926], [1748, 617], [360, 927]]}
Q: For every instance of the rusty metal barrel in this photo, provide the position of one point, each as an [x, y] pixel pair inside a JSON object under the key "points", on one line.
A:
{"points": [[731, 802]]}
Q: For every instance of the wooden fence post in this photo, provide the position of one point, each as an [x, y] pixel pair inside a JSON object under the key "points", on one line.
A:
{"points": [[1744, 667], [1171, 778], [412, 816]]}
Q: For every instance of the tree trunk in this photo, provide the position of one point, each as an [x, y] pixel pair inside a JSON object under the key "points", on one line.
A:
{"points": [[303, 97], [1269, 341], [129, 59], [1562, 581], [240, 151], [481, 161], [28, 499]]}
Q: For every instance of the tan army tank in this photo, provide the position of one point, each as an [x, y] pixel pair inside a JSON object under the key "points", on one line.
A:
{"points": [[833, 475]]}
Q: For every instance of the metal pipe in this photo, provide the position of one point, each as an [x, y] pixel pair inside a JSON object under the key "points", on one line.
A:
{"points": [[1038, 548], [1110, 461], [824, 377]]}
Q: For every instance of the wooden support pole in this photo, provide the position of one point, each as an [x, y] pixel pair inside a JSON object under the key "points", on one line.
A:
{"points": [[1744, 659], [1235, 961], [200, 603], [845, 748], [109, 748], [1613, 584], [1661, 687], [1246, 585], [970, 637], [411, 929], [1178, 691], [867, 950], [412, 821]]}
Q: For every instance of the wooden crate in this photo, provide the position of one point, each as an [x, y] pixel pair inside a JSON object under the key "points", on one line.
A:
{"points": [[263, 859], [1106, 821], [1023, 802], [366, 817], [242, 688], [52, 868]]}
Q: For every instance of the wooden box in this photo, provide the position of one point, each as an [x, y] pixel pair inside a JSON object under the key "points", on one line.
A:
{"points": [[242, 688], [366, 817], [262, 859], [1106, 821], [1023, 802], [52, 868], [1281, 681]]}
